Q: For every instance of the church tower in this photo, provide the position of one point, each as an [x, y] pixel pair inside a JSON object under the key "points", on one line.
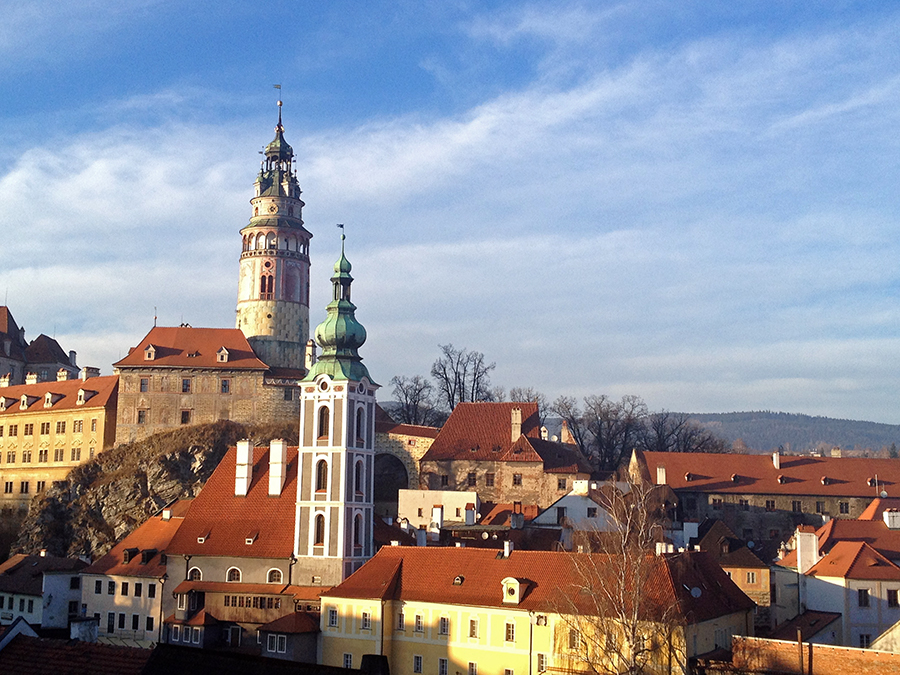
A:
{"points": [[333, 531], [273, 287]]}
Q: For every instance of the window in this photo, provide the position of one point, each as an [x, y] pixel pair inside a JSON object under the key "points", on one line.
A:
{"points": [[332, 617], [844, 507], [751, 577], [321, 476], [138, 589], [417, 664], [717, 502], [324, 418], [142, 417], [420, 624], [348, 660], [8, 487], [111, 588], [11, 457], [196, 639], [820, 507], [59, 455], [41, 485], [560, 483], [574, 638], [23, 487], [470, 479], [508, 671], [182, 601], [225, 386], [29, 430], [125, 588], [234, 574], [288, 394], [744, 504], [135, 622], [510, 632], [149, 624], [13, 429], [442, 666], [145, 384], [892, 598], [75, 454], [541, 662], [186, 385], [770, 505], [111, 623], [862, 597], [60, 427], [401, 621], [98, 587], [271, 643], [444, 626], [274, 577], [366, 621], [473, 628], [26, 456], [151, 590], [517, 479], [797, 506], [45, 428], [865, 639], [473, 668], [592, 512], [73, 608], [489, 480], [445, 480], [195, 574], [185, 416], [94, 424], [319, 534], [560, 514], [121, 620], [78, 426]]}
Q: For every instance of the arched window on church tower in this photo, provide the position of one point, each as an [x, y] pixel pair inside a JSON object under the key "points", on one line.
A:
{"points": [[321, 476], [358, 477], [266, 287], [324, 419], [357, 531], [319, 531], [360, 428]]}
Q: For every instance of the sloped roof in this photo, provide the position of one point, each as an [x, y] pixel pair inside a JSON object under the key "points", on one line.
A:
{"points": [[295, 623], [876, 508], [855, 560], [153, 537], [385, 424], [560, 457], [726, 548], [810, 623], [875, 533], [10, 330], [226, 520], [188, 347], [107, 388], [756, 474], [40, 656], [25, 573], [501, 514], [44, 349], [427, 574], [298, 592], [483, 431]]}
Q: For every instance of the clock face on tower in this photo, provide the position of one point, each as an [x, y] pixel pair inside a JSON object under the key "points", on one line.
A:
{"points": [[273, 209]]}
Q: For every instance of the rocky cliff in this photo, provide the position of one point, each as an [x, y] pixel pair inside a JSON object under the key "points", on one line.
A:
{"points": [[106, 498]]}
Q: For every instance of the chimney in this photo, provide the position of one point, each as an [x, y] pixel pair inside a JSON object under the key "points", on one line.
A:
{"points": [[776, 460], [243, 473], [565, 436], [43, 553], [310, 354], [31, 378], [545, 434], [836, 452], [470, 514], [437, 516], [62, 375], [88, 372], [891, 518], [72, 356], [660, 475], [277, 466], [807, 551], [507, 548], [516, 424], [4, 381], [167, 514]]}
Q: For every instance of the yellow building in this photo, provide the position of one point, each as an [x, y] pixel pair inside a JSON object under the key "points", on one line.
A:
{"points": [[48, 428], [449, 611]]}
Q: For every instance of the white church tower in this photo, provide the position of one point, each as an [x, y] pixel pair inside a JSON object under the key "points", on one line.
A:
{"points": [[333, 529]]}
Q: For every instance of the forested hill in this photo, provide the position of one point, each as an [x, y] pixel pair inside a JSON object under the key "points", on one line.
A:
{"points": [[766, 431]]}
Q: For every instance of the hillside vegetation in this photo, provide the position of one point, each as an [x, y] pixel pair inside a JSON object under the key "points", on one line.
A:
{"points": [[103, 500]]}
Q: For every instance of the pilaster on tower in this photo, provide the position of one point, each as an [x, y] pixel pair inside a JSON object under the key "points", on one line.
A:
{"points": [[335, 506], [273, 286]]}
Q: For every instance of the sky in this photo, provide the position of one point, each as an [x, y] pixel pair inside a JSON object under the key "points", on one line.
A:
{"points": [[691, 202]]}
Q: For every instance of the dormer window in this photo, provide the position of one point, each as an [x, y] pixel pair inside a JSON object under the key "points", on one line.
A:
{"points": [[128, 554], [222, 355], [149, 353], [512, 591], [3, 403], [84, 395], [50, 398], [458, 581], [23, 403]]}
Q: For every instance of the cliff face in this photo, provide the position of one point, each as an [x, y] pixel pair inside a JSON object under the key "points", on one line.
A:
{"points": [[106, 498]]}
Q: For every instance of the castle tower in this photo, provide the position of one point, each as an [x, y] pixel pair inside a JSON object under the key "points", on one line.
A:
{"points": [[333, 532], [273, 287]]}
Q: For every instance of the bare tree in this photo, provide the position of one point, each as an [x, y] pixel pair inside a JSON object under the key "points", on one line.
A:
{"points": [[570, 412], [461, 376], [676, 432], [534, 396], [416, 403]]}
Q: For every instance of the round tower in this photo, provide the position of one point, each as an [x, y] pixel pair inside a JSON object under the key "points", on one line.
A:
{"points": [[273, 287]]}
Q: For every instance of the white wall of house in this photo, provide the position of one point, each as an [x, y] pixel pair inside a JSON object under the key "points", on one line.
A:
{"points": [[124, 601], [29, 607], [60, 589], [417, 506]]}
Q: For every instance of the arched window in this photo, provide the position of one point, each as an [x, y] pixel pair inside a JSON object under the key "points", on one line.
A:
{"points": [[319, 533], [324, 419], [195, 574], [260, 241], [266, 286], [274, 577], [321, 476], [357, 531], [360, 427], [358, 477], [234, 574], [273, 242]]}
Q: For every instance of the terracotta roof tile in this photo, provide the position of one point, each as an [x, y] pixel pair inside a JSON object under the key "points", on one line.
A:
{"points": [[187, 347], [25, 573], [855, 560], [483, 431], [756, 474], [810, 623], [295, 622], [40, 656], [875, 510], [66, 395], [226, 520]]}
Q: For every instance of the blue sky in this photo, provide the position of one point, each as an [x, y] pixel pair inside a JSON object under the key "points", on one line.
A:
{"points": [[692, 202]]}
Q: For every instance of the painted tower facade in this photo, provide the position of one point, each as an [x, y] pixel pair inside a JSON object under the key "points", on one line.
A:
{"points": [[333, 532], [273, 287]]}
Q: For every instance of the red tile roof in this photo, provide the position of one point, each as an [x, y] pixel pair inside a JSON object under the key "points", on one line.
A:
{"points": [[875, 510], [187, 347], [875, 533], [810, 623], [756, 474], [25, 573], [295, 622], [44, 349], [226, 520], [855, 560], [106, 390], [40, 656], [501, 514], [146, 543], [427, 574]]}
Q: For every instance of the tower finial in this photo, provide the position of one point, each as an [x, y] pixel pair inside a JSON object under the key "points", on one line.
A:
{"points": [[279, 104], [343, 237]]}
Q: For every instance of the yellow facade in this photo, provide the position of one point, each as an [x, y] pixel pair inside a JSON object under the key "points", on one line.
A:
{"points": [[41, 443]]}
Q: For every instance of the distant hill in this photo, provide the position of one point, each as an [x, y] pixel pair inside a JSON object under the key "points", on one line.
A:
{"points": [[765, 431]]}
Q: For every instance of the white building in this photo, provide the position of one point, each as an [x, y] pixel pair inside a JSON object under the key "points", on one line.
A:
{"points": [[44, 590]]}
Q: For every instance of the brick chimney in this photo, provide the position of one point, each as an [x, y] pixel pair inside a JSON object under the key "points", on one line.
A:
{"points": [[277, 466], [243, 473], [516, 424]]}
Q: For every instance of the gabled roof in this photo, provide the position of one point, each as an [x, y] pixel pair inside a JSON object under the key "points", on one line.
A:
{"points": [[427, 574], [44, 349], [810, 623], [385, 424], [25, 573], [10, 330], [293, 623], [187, 347], [225, 521], [37, 656], [146, 543], [756, 474], [855, 560], [106, 388], [876, 508], [727, 549]]}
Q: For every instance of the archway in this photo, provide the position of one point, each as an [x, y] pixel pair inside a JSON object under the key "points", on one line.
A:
{"points": [[390, 477]]}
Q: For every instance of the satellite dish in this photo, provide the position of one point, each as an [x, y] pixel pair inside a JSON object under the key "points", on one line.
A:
{"points": [[696, 592], [484, 535], [884, 494], [751, 544]]}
